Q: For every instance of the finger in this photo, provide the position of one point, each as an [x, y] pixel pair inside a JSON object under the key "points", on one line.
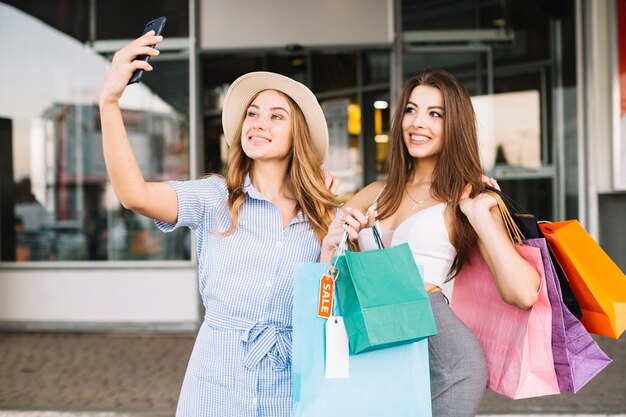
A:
{"points": [[328, 179], [334, 189], [143, 42], [151, 37], [347, 210], [130, 54], [352, 222], [490, 182], [144, 50], [358, 215], [371, 217], [355, 218], [352, 234], [467, 191], [146, 42], [142, 65]]}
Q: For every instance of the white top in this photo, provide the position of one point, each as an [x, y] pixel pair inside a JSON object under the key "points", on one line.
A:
{"points": [[427, 236]]}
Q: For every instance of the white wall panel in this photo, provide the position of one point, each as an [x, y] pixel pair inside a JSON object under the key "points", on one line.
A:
{"points": [[233, 24], [99, 296]]}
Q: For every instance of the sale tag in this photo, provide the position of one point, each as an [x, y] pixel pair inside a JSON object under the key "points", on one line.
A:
{"points": [[325, 303], [337, 349]]}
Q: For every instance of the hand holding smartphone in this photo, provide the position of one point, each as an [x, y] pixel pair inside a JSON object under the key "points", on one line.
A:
{"points": [[157, 26]]}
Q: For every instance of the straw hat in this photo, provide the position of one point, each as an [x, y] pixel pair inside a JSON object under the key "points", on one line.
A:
{"points": [[242, 90]]}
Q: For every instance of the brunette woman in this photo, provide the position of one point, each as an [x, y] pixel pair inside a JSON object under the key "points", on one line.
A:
{"points": [[432, 199]]}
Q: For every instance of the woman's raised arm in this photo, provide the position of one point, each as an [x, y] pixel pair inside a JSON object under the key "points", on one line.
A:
{"points": [[516, 279], [154, 200]]}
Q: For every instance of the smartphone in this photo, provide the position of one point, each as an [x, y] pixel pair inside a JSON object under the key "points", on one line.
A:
{"points": [[157, 26]]}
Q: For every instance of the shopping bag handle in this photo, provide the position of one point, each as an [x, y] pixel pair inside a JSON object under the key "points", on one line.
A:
{"points": [[343, 245], [513, 232], [341, 248], [511, 203], [377, 238]]}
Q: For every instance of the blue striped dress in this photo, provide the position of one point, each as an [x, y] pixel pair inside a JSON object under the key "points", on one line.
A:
{"points": [[241, 361]]}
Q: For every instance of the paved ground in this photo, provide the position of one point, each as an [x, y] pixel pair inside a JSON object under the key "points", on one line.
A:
{"points": [[139, 375], [118, 414]]}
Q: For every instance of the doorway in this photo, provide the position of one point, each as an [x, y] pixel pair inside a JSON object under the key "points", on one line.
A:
{"points": [[511, 106]]}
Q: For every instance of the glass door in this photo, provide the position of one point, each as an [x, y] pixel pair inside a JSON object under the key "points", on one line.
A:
{"points": [[511, 106]]}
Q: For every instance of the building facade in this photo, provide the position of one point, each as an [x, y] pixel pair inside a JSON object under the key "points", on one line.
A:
{"points": [[544, 79]]}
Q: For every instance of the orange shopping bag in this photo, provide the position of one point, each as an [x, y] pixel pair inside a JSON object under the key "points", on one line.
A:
{"points": [[598, 284]]}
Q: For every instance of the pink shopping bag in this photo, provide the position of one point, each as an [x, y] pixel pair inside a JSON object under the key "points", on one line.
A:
{"points": [[517, 342]]}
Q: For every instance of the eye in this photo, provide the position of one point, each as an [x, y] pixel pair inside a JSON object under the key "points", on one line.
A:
{"points": [[409, 109], [251, 113], [276, 116], [436, 115]]}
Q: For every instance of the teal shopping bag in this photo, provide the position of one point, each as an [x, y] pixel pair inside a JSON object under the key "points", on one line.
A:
{"points": [[387, 382], [383, 298]]}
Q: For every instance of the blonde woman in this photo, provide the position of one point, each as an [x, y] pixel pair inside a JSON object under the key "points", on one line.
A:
{"points": [[271, 211]]}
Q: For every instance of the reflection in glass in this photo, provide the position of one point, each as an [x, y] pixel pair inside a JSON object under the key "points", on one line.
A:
{"points": [[343, 161], [376, 68], [63, 208], [509, 129], [469, 67], [333, 71]]}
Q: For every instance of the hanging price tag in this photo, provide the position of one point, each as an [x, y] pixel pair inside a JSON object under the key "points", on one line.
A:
{"points": [[337, 349], [325, 303]]}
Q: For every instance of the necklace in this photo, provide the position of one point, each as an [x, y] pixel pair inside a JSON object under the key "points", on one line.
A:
{"points": [[417, 202]]}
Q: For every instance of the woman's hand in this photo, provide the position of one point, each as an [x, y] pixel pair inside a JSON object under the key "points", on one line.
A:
{"points": [[476, 206], [481, 203], [332, 183], [490, 182], [516, 280], [124, 64], [156, 200], [351, 221]]}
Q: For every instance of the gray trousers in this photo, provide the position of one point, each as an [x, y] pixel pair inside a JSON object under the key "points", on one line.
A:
{"points": [[458, 372]]}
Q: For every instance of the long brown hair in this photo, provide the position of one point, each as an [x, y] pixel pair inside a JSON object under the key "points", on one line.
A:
{"points": [[306, 177], [457, 164]]}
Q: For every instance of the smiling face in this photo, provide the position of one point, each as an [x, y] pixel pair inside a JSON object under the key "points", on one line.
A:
{"points": [[422, 123], [266, 131]]}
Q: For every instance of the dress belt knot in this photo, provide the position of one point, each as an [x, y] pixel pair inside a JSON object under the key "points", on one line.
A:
{"points": [[263, 338]]}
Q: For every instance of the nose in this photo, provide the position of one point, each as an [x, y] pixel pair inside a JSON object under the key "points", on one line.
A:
{"points": [[259, 124], [418, 120]]}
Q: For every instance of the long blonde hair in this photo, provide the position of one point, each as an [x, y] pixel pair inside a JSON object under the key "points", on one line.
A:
{"points": [[306, 178], [458, 162]]}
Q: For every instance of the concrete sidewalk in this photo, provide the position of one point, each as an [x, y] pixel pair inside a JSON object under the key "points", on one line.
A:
{"points": [[114, 414], [139, 375]]}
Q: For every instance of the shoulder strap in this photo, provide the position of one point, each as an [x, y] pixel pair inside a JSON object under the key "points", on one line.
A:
{"points": [[375, 202]]}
